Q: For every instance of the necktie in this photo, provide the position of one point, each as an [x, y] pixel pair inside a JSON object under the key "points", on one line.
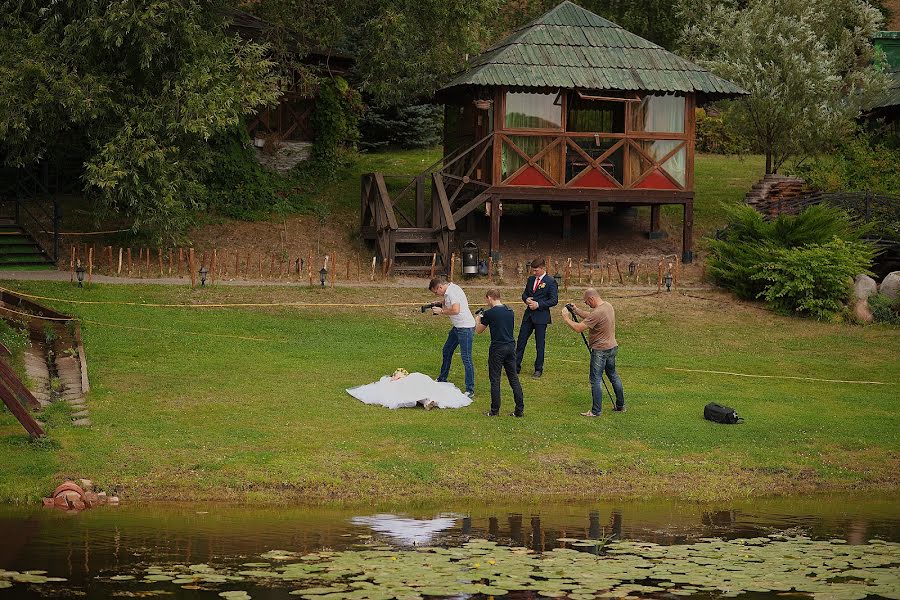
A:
{"points": [[537, 280]]}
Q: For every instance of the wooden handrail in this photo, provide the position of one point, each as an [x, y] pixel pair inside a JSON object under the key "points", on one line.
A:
{"points": [[385, 201], [449, 222]]}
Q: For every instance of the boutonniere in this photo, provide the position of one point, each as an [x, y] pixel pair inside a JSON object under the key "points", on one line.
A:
{"points": [[542, 286]]}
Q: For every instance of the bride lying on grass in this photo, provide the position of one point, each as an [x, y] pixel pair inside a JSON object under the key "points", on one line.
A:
{"points": [[406, 390]]}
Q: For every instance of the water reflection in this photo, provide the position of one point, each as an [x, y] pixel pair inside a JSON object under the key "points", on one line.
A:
{"points": [[109, 540], [412, 532]]}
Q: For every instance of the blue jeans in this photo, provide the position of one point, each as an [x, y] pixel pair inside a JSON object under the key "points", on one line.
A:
{"points": [[604, 361], [462, 337]]}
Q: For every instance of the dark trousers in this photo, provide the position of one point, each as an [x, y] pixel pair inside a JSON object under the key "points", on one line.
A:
{"points": [[503, 357], [540, 334]]}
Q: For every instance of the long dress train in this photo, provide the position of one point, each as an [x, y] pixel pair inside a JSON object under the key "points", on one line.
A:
{"points": [[408, 391]]}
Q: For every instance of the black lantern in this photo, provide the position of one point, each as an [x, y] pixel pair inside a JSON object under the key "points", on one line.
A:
{"points": [[558, 279], [79, 273], [203, 273], [668, 280], [323, 274], [632, 268]]}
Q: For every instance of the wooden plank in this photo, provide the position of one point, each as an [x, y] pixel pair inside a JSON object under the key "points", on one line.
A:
{"points": [[33, 428], [17, 387], [654, 218], [446, 213], [592, 231], [420, 200], [385, 201], [495, 226], [687, 235], [82, 358], [471, 205]]}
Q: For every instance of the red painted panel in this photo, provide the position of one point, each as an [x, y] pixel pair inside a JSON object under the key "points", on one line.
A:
{"points": [[595, 179], [531, 176], [656, 181]]}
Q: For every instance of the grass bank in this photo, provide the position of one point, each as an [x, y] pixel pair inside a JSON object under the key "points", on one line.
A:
{"points": [[249, 404]]}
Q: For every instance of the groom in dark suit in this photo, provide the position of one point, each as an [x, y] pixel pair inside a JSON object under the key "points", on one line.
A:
{"points": [[540, 296]]}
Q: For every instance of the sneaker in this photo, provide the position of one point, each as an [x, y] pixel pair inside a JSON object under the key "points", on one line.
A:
{"points": [[491, 414], [430, 404], [537, 374], [515, 414], [619, 409], [469, 394], [589, 414]]}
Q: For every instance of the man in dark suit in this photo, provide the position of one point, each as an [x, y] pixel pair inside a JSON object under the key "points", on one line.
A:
{"points": [[540, 296]]}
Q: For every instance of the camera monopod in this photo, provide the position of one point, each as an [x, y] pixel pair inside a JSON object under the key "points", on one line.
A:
{"points": [[571, 310]]}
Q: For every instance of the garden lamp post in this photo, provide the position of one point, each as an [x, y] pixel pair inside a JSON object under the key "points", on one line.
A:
{"points": [[323, 274], [79, 273], [203, 273], [668, 280]]}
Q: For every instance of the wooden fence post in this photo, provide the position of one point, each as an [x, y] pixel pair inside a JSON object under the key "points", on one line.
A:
{"points": [[372, 276], [191, 267], [90, 264], [659, 278], [119, 270], [180, 262]]}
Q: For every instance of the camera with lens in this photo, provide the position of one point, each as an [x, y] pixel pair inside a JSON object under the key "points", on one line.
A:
{"points": [[571, 308], [480, 311], [425, 308]]}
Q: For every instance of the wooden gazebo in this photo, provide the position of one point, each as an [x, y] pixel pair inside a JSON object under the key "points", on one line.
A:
{"points": [[570, 110]]}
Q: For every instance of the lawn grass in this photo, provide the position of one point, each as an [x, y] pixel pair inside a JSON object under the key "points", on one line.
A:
{"points": [[184, 407]]}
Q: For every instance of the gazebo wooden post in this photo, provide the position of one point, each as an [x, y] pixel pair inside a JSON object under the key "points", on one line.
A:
{"points": [[592, 230], [495, 226], [687, 236], [654, 232]]}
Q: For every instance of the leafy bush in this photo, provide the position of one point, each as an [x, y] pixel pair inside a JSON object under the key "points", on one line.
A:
{"points": [[796, 263], [416, 126], [855, 165], [237, 186], [714, 136], [14, 337], [814, 279], [335, 120], [884, 309]]}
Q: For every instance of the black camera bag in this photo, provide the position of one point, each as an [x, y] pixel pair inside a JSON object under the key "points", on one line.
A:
{"points": [[720, 414]]}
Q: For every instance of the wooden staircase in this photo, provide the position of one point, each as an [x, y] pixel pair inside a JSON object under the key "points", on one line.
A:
{"points": [[424, 242], [19, 249]]}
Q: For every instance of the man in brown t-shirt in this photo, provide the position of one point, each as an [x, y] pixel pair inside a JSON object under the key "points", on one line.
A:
{"points": [[600, 322]]}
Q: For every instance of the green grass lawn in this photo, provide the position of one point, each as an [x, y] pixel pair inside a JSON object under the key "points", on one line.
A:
{"points": [[184, 407]]}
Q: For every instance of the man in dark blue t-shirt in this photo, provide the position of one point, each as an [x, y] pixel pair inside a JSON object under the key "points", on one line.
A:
{"points": [[502, 354]]}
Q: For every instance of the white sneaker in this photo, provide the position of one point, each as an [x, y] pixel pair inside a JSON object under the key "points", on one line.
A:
{"points": [[430, 404]]}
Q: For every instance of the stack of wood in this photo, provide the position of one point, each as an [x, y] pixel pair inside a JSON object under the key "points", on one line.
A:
{"points": [[775, 195]]}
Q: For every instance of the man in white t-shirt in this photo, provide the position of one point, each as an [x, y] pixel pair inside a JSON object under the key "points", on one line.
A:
{"points": [[456, 306]]}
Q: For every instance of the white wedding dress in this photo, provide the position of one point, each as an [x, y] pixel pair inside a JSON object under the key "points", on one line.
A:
{"points": [[408, 391]]}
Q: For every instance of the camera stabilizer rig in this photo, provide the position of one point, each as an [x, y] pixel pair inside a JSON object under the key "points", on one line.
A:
{"points": [[426, 307], [571, 308]]}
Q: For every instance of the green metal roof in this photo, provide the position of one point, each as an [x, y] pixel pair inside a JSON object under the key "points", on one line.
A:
{"points": [[570, 47]]}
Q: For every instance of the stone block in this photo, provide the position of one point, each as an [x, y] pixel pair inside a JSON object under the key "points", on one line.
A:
{"points": [[890, 285]]}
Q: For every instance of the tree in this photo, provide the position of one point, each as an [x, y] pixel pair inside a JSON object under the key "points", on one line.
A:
{"points": [[806, 63], [145, 83]]}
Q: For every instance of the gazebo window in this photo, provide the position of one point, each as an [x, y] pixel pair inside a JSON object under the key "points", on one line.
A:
{"points": [[601, 116], [532, 111], [658, 114]]}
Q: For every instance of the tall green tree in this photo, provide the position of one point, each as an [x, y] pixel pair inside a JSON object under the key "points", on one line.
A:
{"points": [[144, 83], [806, 63]]}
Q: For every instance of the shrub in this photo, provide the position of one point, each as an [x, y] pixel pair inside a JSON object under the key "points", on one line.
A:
{"points": [[714, 136], [798, 264], [855, 165], [237, 186], [814, 279], [884, 309], [749, 241], [335, 120]]}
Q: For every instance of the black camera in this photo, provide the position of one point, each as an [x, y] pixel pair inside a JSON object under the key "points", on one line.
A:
{"points": [[425, 308], [571, 308], [480, 311]]}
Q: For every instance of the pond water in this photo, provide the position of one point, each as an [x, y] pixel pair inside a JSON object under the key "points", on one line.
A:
{"points": [[836, 547]]}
